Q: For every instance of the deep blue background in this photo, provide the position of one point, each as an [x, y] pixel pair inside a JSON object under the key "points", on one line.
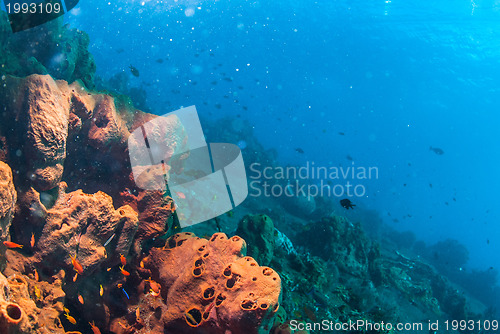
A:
{"points": [[395, 76]]}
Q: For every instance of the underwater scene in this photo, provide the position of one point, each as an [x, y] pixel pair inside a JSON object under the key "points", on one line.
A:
{"points": [[249, 167]]}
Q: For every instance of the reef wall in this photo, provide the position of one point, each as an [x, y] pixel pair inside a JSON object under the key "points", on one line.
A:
{"points": [[71, 216]]}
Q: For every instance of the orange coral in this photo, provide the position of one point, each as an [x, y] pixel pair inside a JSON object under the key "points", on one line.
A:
{"points": [[210, 285]]}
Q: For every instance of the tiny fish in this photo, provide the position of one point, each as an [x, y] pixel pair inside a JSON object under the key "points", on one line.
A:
{"points": [[70, 319], [38, 293], [123, 260], [32, 242], [76, 264], [65, 310], [101, 290], [299, 150], [126, 294], [109, 240], [134, 71], [94, 328], [75, 277], [80, 299], [347, 204], [137, 314], [141, 264], [10, 244], [153, 285], [124, 272], [190, 319], [436, 150], [37, 278]]}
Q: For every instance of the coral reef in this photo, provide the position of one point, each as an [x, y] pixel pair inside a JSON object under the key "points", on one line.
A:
{"points": [[8, 198], [78, 224], [258, 232], [28, 306], [341, 241], [51, 48], [56, 131], [82, 237], [209, 286]]}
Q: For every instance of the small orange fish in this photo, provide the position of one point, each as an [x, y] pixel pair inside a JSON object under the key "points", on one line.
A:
{"points": [[75, 277], [32, 242], [10, 244], [109, 269], [70, 319], [153, 285], [101, 290], [38, 293], [137, 314], [124, 272], [119, 285], [154, 294], [76, 264], [173, 207], [65, 310], [80, 299], [123, 260], [37, 278], [141, 264], [94, 328]]}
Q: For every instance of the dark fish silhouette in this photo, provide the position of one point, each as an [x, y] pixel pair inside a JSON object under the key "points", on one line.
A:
{"points": [[341, 133], [159, 60], [346, 204], [348, 157], [299, 150], [436, 150], [134, 71]]}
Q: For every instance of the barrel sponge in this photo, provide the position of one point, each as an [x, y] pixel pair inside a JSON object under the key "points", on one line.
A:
{"points": [[22, 312], [210, 286]]}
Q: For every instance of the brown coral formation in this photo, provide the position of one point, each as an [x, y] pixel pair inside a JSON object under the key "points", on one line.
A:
{"points": [[207, 286], [79, 224], [27, 306], [8, 198], [67, 148], [55, 131]]}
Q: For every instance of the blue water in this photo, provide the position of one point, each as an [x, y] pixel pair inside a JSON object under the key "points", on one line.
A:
{"points": [[396, 77]]}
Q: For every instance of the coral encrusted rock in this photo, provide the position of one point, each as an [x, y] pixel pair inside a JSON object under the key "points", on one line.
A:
{"points": [[210, 286], [8, 198], [30, 307], [258, 232], [77, 224], [52, 131]]}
